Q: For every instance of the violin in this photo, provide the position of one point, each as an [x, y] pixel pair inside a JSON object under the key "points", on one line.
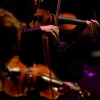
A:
{"points": [[40, 77], [20, 76], [66, 21]]}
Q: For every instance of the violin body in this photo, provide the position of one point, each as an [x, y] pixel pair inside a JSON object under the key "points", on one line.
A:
{"points": [[18, 85]]}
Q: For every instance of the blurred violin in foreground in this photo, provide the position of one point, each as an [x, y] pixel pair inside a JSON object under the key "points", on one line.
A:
{"points": [[39, 77]]}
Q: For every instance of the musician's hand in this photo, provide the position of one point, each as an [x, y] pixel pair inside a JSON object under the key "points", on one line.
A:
{"points": [[51, 29], [91, 27]]}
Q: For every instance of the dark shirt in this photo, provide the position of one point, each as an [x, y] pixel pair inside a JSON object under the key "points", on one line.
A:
{"points": [[31, 46]]}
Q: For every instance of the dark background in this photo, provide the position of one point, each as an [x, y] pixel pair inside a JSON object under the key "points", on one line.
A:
{"points": [[83, 9]]}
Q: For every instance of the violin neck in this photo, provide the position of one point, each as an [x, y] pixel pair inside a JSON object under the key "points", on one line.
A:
{"points": [[48, 79], [66, 20]]}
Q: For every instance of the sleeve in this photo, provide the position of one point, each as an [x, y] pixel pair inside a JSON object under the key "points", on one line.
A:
{"points": [[33, 29]]}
